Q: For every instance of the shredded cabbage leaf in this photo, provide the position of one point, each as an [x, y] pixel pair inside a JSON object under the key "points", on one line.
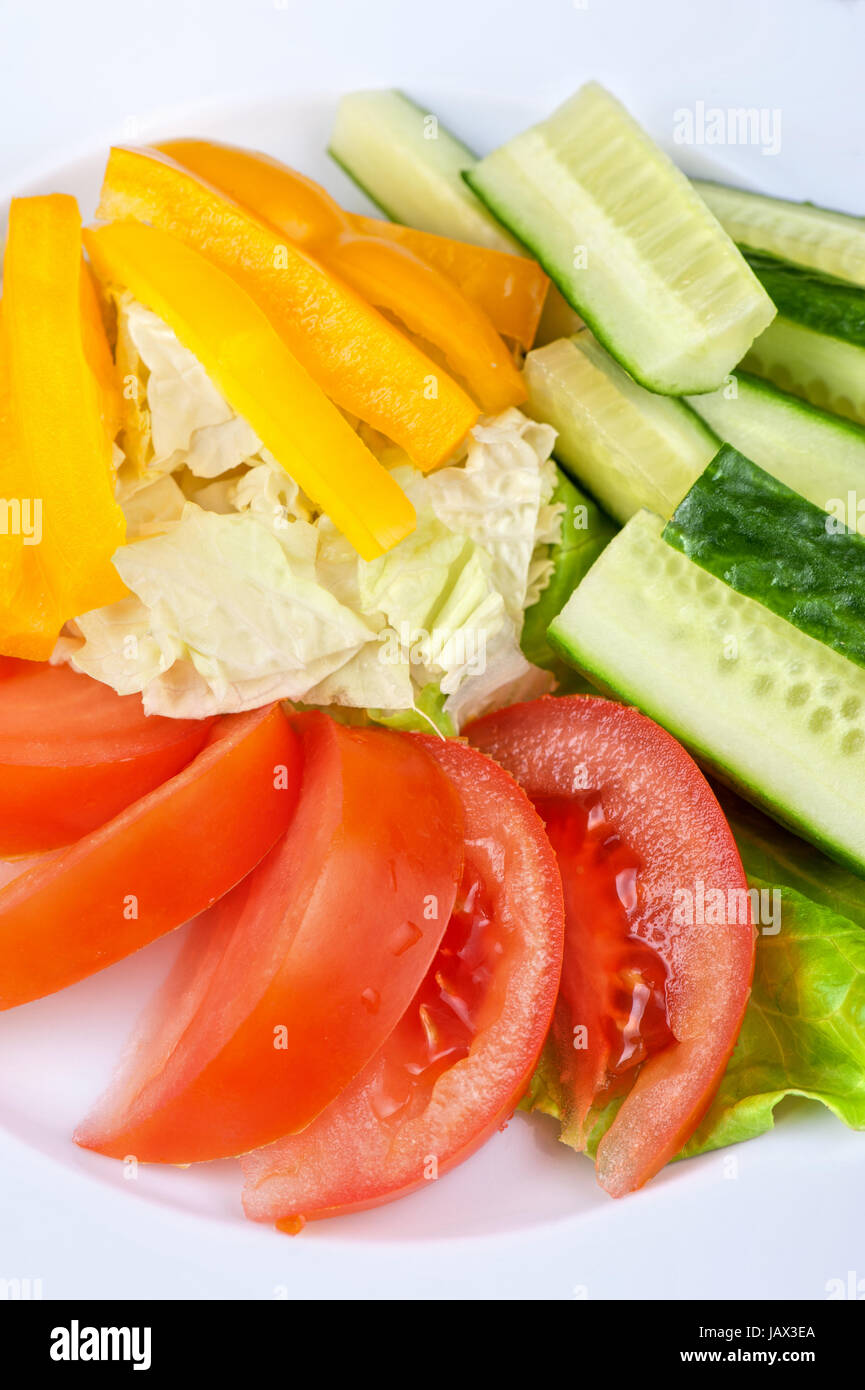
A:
{"points": [[242, 592]]}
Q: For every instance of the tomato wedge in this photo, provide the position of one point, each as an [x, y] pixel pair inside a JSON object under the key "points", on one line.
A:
{"points": [[652, 997], [297, 978], [164, 859], [73, 754], [462, 1055]]}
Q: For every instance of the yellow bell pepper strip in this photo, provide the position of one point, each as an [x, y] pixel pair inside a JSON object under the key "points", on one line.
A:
{"points": [[389, 276], [358, 358], [259, 377], [11, 542], [55, 442], [510, 289], [98, 355]]}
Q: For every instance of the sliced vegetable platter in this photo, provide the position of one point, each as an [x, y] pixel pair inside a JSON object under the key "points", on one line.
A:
{"points": [[100, 996]]}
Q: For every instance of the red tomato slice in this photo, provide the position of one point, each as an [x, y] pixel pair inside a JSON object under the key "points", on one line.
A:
{"points": [[463, 1054], [161, 861], [73, 754], [651, 1002], [312, 962]]}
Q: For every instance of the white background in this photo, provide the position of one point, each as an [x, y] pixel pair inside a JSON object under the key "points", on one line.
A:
{"points": [[522, 1219], [77, 72]]}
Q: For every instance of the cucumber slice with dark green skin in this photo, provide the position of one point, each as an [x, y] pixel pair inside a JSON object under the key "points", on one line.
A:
{"points": [[816, 346], [814, 452], [764, 540], [627, 446], [772, 712], [812, 236], [585, 532], [821, 369], [411, 168], [630, 244], [808, 297]]}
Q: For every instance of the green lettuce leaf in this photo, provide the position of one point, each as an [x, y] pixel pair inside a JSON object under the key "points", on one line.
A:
{"points": [[777, 855], [428, 715], [804, 1029]]}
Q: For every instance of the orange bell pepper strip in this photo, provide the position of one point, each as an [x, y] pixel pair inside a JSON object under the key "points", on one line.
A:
{"points": [[357, 357], [431, 307], [55, 439], [510, 289], [289, 201], [250, 364], [389, 276]]}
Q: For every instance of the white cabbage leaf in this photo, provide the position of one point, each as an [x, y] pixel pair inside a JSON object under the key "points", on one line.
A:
{"points": [[241, 592]]}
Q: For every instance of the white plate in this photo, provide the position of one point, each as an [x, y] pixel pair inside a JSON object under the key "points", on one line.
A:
{"points": [[780, 1217]]}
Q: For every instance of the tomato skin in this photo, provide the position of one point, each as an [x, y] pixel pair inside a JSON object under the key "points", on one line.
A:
{"points": [[73, 754], [164, 859], [350, 1158], [664, 813], [294, 981]]}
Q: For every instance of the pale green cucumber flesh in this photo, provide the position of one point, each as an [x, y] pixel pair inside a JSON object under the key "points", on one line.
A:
{"points": [[823, 370], [628, 447], [833, 242], [389, 213], [629, 243], [774, 713], [404, 160], [814, 452]]}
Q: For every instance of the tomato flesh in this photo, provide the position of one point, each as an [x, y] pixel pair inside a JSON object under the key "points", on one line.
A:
{"points": [[444, 1017], [164, 859], [298, 977], [650, 1004], [73, 754], [616, 984], [463, 1054]]}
